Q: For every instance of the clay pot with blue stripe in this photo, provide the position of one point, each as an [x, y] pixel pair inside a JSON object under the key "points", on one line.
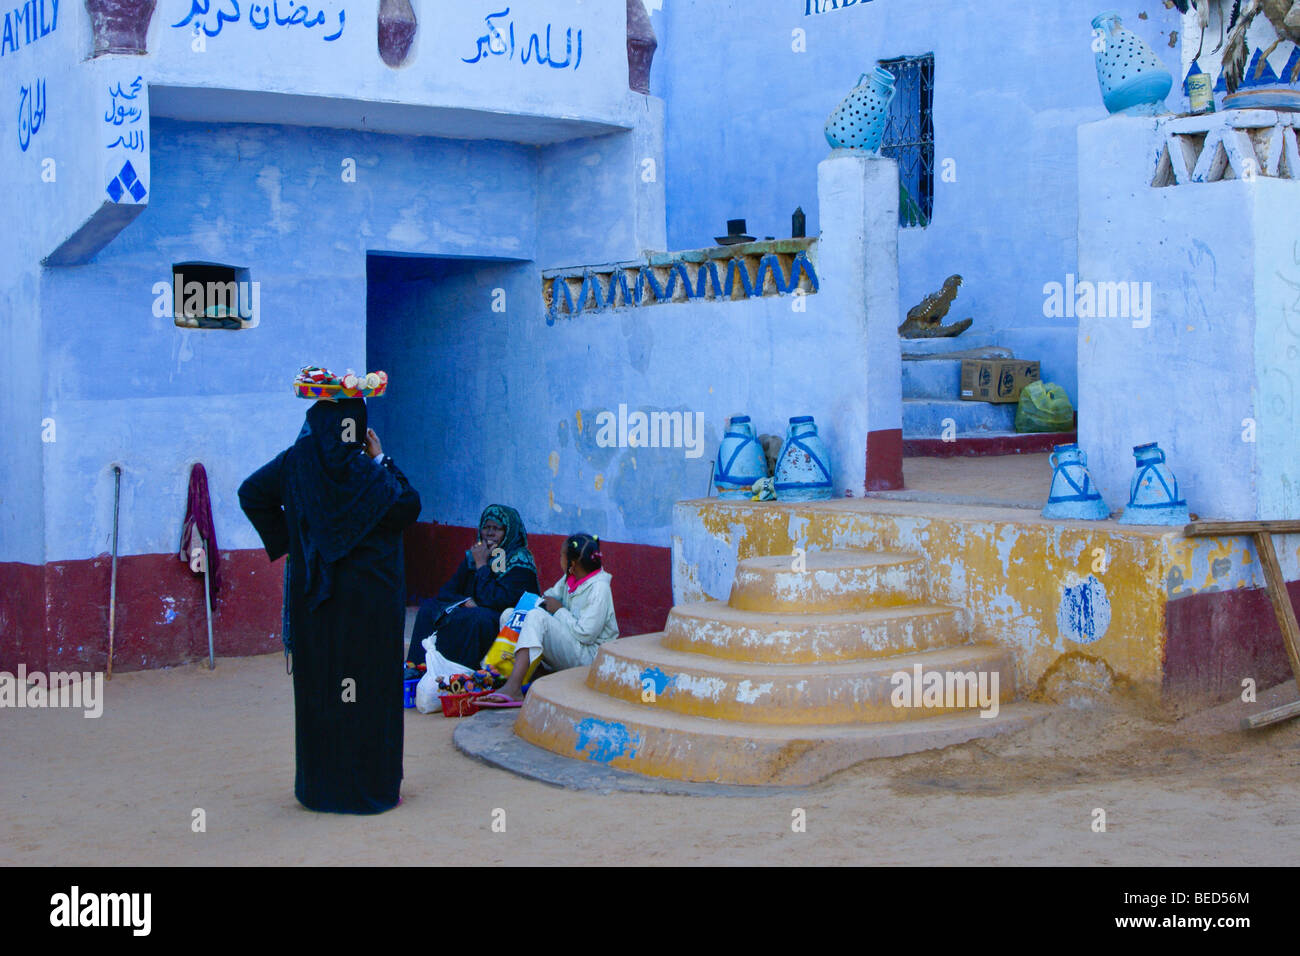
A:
{"points": [[803, 469], [1153, 491], [859, 121], [1073, 493], [1133, 79], [741, 461]]}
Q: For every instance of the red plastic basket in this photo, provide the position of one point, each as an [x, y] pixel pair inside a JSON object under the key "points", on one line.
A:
{"points": [[460, 705]]}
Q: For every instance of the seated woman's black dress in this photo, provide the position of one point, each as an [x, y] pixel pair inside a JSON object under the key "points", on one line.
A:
{"points": [[466, 634]]}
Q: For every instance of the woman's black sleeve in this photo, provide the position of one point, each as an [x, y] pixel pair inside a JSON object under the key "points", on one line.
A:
{"points": [[260, 498], [406, 508], [458, 586], [505, 591]]}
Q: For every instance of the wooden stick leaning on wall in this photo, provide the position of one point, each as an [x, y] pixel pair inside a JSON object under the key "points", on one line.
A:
{"points": [[1263, 532]]}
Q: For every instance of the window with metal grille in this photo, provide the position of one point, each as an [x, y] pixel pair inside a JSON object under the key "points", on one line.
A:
{"points": [[909, 136]]}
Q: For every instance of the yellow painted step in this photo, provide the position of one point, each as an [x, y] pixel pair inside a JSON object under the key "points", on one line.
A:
{"points": [[642, 671], [840, 580], [719, 630], [565, 716]]}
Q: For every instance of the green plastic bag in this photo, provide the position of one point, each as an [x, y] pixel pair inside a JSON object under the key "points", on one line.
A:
{"points": [[1044, 408]]}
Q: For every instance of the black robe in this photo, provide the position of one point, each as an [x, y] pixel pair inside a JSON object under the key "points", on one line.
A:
{"points": [[466, 635], [346, 615]]}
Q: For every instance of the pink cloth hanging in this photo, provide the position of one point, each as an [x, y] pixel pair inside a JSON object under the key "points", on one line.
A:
{"points": [[198, 530]]}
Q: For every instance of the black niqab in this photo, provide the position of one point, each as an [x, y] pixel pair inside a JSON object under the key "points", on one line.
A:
{"points": [[339, 491]]}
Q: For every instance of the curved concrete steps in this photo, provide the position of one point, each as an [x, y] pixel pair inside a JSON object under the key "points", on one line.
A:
{"points": [[796, 677], [638, 669], [565, 716], [719, 630], [828, 581]]}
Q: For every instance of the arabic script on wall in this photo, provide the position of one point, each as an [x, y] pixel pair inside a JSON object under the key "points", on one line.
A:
{"points": [[499, 41], [260, 16]]}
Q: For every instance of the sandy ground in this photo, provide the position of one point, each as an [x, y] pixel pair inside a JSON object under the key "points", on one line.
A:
{"points": [[122, 790]]}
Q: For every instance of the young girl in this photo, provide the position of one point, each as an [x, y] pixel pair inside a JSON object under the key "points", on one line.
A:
{"points": [[575, 617]]}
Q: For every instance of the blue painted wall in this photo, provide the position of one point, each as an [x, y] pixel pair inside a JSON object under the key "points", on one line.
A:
{"points": [[1012, 83], [126, 385]]}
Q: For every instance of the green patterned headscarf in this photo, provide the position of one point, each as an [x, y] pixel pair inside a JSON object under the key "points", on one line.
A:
{"points": [[515, 540]]}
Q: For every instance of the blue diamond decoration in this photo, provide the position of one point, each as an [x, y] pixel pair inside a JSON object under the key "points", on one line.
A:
{"points": [[127, 175], [115, 189], [137, 190]]}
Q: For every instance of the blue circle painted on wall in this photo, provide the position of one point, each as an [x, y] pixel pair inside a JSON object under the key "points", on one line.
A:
{"points": [[1084, 612]]}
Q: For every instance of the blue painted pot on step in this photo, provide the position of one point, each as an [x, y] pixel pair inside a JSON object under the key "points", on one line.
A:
{"points": [[741, 461], [1132, 78], [859, 121], [1153, 492], [803, 469], [1073, 493]]}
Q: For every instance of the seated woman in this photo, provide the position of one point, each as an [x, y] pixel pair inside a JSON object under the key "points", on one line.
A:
{"points": [[491, 582], [575, 617]]}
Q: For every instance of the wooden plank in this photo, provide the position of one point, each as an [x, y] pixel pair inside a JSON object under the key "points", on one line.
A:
{"points": [[1202, 528], [1281, 600], [1271, 716]]}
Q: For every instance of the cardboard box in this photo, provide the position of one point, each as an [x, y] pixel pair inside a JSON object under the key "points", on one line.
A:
{"points": [[995, 380]]}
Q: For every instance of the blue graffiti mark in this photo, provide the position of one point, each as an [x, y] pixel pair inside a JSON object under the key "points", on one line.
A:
{"points": [[31, 112], [661, 680], [494, 43], [28, 22], [607, 738], [812, 7], [1084, 612], [201, 8]]}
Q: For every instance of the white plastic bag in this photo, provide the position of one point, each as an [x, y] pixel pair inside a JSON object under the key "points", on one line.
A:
{"points": [[426, 692]]}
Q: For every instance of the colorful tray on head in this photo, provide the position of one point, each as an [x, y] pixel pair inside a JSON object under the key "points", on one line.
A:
{"points": [[321, 383]]}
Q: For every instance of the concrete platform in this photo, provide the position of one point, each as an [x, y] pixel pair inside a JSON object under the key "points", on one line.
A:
{"points": [[489, 736], [559, 715]]}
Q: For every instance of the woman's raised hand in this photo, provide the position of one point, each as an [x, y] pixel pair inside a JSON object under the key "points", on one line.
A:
{"points": [[373, 447], [479, 553]]}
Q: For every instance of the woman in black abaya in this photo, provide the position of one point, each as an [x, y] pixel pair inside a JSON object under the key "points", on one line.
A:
{"points": [[337, 506]]}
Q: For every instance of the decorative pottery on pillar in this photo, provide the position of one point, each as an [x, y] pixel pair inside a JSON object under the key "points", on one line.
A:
{"points": [[859, 121], [641, 46], [1073, 493], [741, 461], [1132, 78], [396, 31], [1153, 492], [120, 26], [803, 469]]}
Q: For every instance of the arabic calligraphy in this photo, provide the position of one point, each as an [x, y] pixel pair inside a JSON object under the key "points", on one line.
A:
{"points": [[122, 111], [496, 43], [297, 15], [31, 112]]}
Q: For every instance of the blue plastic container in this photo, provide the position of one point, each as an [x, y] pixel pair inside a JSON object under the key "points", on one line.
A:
{"points": [[741, 461], [803, 469], [1132, 78], [408, 692], [1073, 493], [859, 121], [1153, 491]]}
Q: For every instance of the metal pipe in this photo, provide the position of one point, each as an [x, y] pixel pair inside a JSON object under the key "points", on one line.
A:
{"points": [[112, 587]]}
